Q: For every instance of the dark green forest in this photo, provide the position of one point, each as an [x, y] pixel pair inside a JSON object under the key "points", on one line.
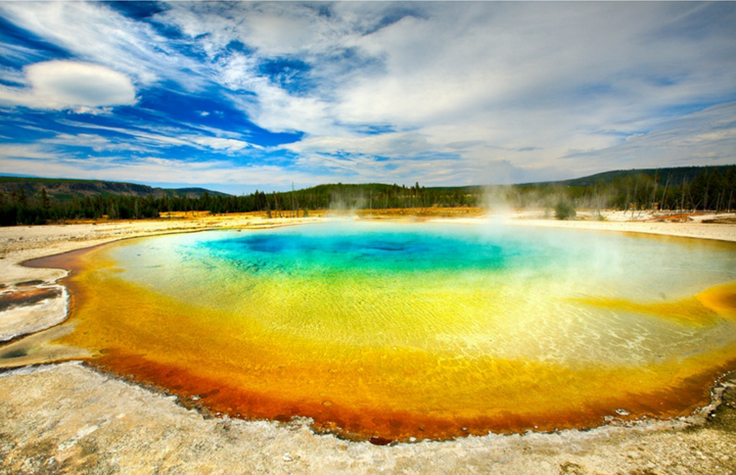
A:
{"points": [[29, 201]]}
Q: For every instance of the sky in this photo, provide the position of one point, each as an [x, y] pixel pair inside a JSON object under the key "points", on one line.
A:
{"points": [[244, 96]]}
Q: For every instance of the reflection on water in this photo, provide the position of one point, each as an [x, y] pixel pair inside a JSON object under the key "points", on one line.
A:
{"points": [[392, 331]]}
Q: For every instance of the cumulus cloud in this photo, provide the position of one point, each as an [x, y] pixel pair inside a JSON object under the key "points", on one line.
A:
{"points": [[70, 85]]}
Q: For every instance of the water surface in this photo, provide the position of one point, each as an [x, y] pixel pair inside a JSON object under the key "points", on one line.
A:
{"points": [[424, 331]]}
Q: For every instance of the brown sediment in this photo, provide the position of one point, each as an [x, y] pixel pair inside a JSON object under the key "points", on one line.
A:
{"points": [[29, 283], [26, 297], [68, 261]]}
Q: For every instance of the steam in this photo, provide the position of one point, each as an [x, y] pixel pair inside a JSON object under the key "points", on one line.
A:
{"points": [[343, 208]]}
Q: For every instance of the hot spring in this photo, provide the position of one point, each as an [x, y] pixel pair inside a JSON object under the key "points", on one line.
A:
{"points": [[419, 331]]}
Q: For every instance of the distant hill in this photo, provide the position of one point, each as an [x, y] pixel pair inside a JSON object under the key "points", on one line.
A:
{"points": [[367, 189], [191, 192], [61, 190], [675, 176], [672, 176]]}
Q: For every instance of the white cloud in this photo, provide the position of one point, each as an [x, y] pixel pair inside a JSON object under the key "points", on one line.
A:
{"points": [[70, 85], [146, 169], [393, 144], [25, 151], [156, 137], [143, 142], [432, 172], [218, 143], [707, 137], [275, 110], [95, 142]]}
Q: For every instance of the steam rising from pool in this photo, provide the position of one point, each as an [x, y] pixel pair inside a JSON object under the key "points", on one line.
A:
{"points": [[424, 331]]}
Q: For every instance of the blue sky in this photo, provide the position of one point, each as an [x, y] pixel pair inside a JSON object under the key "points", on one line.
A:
{"points": [[240, 96]]}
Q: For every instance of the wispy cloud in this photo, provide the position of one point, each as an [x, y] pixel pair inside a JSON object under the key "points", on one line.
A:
{"points": [[25, 151], [703, 138], [218, 143], [133, 140], [147, 169]]}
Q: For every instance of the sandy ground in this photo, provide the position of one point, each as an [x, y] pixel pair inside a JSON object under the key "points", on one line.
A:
{"points": [[643, 222], [68, 418]]}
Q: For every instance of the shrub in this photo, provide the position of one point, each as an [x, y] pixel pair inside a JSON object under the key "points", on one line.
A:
{"points": [[564, 210]]}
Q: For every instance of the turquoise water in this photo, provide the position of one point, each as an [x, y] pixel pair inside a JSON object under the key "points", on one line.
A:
{"points": [[611, 264]]}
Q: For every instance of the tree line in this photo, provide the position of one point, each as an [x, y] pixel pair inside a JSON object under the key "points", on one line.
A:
{"points": [[712, 189]]}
